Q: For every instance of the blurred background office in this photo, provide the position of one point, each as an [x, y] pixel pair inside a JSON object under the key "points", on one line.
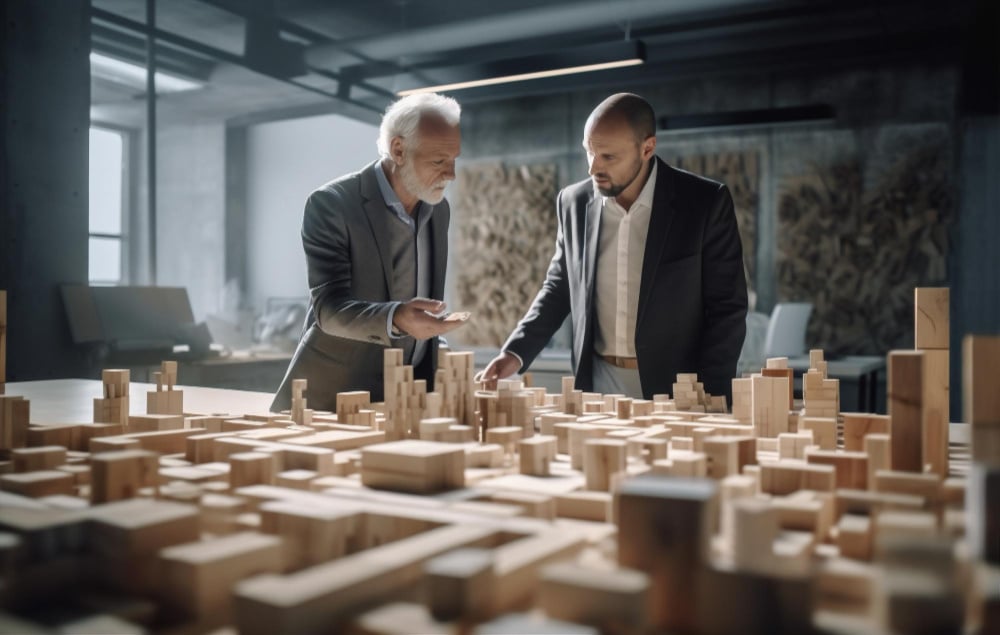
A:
{"points": [[860, 140]]}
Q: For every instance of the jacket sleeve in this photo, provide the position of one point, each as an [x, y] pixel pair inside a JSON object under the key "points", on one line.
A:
{"points": [[550, 306], [724, 293], [326, 241]]}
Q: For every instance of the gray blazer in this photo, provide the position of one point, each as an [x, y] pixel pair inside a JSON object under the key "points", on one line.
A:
{"points": [[692, 295], [347, 247]]}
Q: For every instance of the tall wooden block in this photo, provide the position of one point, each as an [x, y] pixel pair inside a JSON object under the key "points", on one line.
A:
{"points": [[536, 453], [603, 461], [824, 431], [251, 468], [664, 529], [906, 410], [936, 409], [982, 502], [930, 318], [15, 412], [980, 397], [726, 456]]}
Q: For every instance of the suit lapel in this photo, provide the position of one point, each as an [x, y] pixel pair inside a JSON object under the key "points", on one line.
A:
{"points": [[656, 236], [378, 215], [592, 230], [439, 251]]}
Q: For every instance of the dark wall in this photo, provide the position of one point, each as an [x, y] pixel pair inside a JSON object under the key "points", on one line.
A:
{"points": [[45, 106]]}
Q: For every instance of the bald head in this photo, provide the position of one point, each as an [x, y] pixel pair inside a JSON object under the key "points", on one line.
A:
{"points": [[627, 108]]}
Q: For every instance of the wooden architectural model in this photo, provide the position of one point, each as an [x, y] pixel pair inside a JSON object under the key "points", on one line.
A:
{"points": [[459, 510]]}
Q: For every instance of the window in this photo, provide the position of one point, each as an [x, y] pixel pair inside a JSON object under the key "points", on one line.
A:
{"points": [[107, 197]]}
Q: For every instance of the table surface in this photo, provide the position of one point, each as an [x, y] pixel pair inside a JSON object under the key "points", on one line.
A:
{"points": [[72, 400]]}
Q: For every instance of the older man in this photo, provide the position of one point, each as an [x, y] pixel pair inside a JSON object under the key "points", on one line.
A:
{"points": [[648, 264], [376, 245]]}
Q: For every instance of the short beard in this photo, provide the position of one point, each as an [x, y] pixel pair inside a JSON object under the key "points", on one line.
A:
{"points": [[615, 190], [428, 194]]}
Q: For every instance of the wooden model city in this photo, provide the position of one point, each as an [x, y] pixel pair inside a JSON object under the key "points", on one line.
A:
{"points": [[515, 511]]}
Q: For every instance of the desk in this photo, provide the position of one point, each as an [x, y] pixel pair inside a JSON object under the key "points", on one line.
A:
{"points": [[72, 400], [259, 371], [862, 369]]}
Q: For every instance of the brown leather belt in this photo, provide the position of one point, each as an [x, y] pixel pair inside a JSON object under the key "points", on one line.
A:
{"points": [[621, 362]]}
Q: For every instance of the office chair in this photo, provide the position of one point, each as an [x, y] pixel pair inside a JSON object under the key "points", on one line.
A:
{"points": [[786, 331]]}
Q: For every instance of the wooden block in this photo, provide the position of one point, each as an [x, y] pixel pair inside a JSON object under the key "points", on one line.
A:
{"points": [[784, 372], [936, 401], [664, 529], [313, 534], [647, 449], [14, 416], [251, 468], [295, 479], [930, 318], [846, 586], [824, 430], [781, 478], [858, 424], [118, 475], [536, 453], [460, 584], [851, 467], [38, 483], [980, 397], [854, 536], [321, 598], [46, 457], [983, 512], [755, 526], [792, 445], [870, 503], [906, 387], [927, 486], [726, 456], [603, 463], [613, 601], [198, 577], [585, 505], [805, 511], [413, 466]]}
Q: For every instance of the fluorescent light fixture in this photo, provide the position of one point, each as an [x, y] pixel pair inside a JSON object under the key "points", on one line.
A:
{"points": [[565, 62], [134, 75]]}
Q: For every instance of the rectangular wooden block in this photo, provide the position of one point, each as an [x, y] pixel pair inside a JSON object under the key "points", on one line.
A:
{"points": [[664, 530], [726, 456], [858, 424], [936, 401], [603, 462], [536, 454], [118, 475], [413, 466], [930, 317], [906, 410], [980, 397], [38, 458], [781, 478], [613, 600], [38, 483], [851, 467], [824, 431], [198, 577]]}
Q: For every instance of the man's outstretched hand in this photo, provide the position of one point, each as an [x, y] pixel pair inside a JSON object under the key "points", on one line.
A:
{"points": [[423, 318]]}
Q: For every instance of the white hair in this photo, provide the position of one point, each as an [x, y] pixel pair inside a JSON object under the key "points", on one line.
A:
{"points": [[402, 117]]}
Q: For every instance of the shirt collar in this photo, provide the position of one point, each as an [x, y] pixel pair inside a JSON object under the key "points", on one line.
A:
{"points": [[645, 195]]}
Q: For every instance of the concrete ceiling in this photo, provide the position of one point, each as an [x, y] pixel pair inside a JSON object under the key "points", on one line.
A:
{"points": [[266, 59]]}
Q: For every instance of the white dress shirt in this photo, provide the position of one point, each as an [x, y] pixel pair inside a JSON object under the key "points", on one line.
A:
{"points": [[620, 249]]}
